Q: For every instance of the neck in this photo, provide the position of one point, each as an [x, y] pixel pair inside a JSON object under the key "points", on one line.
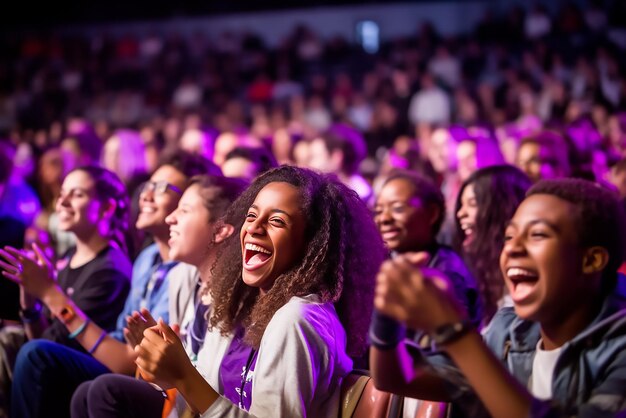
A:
{"points": [[562, 329], [164, 248], [88, 247], [205, 267]]}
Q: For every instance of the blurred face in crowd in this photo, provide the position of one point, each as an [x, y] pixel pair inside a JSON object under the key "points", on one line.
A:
{"points": [[537, 161], [321, 159], [467, 159], [402, 219], [466, 216], [442, 151], [158, 198]]}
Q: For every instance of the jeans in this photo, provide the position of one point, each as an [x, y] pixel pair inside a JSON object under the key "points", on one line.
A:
{"points": [[45, 377], [115, 395]]}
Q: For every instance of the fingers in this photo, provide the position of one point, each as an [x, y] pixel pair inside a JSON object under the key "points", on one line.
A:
{"points": [[145, 313], [168, 333], [176, 329], [41, 256], [12, 277], [8, 257]]}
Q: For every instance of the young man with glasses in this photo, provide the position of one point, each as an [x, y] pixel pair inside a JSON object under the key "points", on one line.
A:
{"points": [[46, 374]]}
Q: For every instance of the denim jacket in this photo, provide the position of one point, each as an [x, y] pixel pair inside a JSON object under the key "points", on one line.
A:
{"points": [[589, 377], [147, 264]]}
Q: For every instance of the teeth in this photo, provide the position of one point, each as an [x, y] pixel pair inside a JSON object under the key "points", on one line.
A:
{"points": [[148, 210], [256, 248], [515, 271]]}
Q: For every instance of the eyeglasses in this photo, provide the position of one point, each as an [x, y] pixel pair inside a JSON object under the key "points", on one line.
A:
{"points": [[159, 187]]}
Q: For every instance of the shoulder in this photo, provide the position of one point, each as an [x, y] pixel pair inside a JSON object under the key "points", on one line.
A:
{"points": [[307, 321], [114, 259]]}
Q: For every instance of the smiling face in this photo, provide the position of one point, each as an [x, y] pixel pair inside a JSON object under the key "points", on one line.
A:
{"points": [[191, 232], [77, 207], [155, 205], [272, 236], [542, 261], [403, 221], [466, 216]]}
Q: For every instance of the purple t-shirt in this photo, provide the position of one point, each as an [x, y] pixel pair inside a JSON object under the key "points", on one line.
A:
{"points": [[237, 371]]}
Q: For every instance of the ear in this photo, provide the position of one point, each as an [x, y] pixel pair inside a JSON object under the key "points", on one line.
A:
{"points": [[222, 232], [108, 208], [595, 260]]}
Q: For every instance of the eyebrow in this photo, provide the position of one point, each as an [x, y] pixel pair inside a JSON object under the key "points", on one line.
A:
{"points": [[535, 222], [276, 210], [80, 189]]}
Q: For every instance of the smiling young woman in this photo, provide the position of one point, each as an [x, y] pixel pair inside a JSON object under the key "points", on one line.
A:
{"points": [[287, 308]]}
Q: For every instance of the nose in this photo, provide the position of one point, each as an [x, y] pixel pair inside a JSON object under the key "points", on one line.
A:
{"points": [[171, 218], [513, 246], [63, 199], [461, 213], [384, 217], [255, 227]]}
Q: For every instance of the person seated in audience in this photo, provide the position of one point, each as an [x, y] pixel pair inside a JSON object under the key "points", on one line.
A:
{"points": [[340, 151], [560, 351], [46, 374], [246, 163], [409, 211], [543, 156], [196, 232], [287, 304], [486, 202], [93, 206]]}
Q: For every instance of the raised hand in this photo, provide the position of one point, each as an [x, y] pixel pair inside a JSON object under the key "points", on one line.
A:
{"points": [[420, 297], [33, 271], [161, 357], [136, 324]]}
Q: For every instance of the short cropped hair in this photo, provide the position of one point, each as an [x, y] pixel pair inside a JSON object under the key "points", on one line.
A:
{"points": [[190, 164], [600, 219], [424, 189]]}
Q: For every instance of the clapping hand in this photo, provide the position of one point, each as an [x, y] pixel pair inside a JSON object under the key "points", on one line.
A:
{"points": [[31, 270], [160, 356], [420, 297], [136, 324]]}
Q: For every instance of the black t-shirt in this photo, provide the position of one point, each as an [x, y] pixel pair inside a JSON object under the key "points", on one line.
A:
{"points": [[99, 288], [11, 233]]}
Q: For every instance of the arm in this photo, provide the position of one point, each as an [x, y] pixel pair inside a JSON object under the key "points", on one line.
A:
{"points": [[424, 300], [36, 275]]}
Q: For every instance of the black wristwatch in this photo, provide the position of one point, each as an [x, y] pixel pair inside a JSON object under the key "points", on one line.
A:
{"points": [[449, 333]]}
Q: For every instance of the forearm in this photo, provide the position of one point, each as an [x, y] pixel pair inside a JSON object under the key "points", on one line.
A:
{"points": [[397, 372], [196, 390], [114, 354], [502, 395]]}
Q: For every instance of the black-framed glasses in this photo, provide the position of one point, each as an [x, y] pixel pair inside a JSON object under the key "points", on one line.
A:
{"points": [[159, 187]]}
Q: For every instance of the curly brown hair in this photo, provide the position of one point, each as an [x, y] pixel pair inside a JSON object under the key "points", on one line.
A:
{"points": [[343, 252]]}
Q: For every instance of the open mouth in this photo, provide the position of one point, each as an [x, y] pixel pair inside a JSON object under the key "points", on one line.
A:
{"points": [[523, 282], [255, 256], [390, 234]]}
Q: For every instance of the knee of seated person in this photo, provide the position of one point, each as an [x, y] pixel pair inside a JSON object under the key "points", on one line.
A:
{"points": [[34, 353], [104, 385]]}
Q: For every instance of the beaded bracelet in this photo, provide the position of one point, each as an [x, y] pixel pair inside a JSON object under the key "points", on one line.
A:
{"points": [[100, 338], [80, 329]]}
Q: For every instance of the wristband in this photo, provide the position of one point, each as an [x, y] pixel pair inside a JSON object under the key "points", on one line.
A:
{"points": [[449, 333], [67, 314], [80, 329], [385, 332], [100, 338]]}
